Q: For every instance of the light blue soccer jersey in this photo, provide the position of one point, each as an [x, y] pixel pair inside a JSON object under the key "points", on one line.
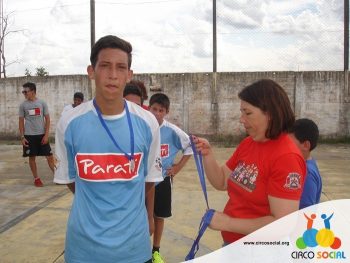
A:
{"points": [[173, 140], [108, 218]]}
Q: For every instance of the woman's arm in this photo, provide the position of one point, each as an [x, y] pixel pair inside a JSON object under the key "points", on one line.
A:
{"points": [[279, 208]]}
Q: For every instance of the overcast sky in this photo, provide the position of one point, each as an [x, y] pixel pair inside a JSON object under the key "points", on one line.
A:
{"points": [[176, 35]]}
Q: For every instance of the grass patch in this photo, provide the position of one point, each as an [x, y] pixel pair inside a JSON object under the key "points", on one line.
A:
{"points": [[334, 140]]}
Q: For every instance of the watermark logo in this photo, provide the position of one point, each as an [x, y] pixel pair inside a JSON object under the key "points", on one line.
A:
{"points": [[323, 237]]}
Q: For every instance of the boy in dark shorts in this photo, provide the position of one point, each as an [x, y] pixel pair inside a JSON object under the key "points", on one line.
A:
{"points": [[173, 140], [34, 127]]}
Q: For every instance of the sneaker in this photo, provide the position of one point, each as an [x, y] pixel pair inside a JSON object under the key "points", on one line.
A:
{"points": [[157, 258], [38, 182]]}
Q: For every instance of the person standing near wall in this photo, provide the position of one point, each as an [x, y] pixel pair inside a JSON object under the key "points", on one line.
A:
{"points": [[143, 89], [305, 134], [34, 128], [133, 93], [78, 98], [173, 141]]}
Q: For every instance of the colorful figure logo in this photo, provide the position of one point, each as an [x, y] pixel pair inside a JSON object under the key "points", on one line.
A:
{"points": [[323, 237]]}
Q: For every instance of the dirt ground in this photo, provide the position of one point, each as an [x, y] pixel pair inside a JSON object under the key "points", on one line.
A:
{"points": [[36, 217]]}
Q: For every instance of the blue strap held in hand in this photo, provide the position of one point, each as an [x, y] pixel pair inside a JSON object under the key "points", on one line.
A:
{"points": [[206, 219], [199, 164]]}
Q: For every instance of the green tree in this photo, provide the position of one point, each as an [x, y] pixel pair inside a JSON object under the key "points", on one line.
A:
{"points": [[41, 72], [27, 73]]}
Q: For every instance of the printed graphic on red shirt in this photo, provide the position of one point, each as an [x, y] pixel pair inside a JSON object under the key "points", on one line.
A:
{"points": [[34, 112], [293, 181], [164, 150], [107, 167], [245, 176]]}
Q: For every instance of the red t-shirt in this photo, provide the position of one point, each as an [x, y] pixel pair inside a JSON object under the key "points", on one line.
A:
{"points": [[259, 169]]}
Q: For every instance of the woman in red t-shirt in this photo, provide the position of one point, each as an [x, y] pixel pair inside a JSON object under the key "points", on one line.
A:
{"points": [[265, 175]]}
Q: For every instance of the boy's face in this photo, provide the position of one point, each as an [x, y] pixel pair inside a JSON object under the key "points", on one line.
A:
{"points": [[158, 111], [111, 74], [77, 101], [28, 94]]}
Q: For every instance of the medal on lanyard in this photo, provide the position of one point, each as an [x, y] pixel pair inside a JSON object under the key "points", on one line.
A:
{"points": [[131, 156]]}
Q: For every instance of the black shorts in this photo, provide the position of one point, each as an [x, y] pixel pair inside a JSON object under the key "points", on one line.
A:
{"points": [[35, 147], [162, 198]]}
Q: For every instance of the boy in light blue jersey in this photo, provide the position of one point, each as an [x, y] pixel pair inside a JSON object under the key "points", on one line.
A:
{"points": [[173, 140], [305, 135], [107, 149]]}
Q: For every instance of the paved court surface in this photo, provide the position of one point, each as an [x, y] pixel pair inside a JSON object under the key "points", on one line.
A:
{"points": [[33, 220]]}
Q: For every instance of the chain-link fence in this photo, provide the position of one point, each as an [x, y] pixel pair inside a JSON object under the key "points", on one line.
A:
{"points": [[177, 35]]}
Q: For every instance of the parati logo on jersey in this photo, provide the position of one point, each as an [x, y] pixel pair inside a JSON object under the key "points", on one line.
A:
{"points": [[106, 167], [164, 150]]}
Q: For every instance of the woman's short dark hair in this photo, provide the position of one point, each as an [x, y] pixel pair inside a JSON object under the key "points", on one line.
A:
{"points": [[110, 42], [271, 98]]}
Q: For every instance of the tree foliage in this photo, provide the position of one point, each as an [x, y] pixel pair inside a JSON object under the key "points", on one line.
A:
{"points": [[41, 72], [27, 73]]}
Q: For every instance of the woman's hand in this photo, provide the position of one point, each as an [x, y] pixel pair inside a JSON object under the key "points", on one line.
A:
{"points": [[202, 145]]}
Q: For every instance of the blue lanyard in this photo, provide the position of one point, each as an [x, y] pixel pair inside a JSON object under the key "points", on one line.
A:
{"points": [[199, 164], [130, 157], [206, 219]]}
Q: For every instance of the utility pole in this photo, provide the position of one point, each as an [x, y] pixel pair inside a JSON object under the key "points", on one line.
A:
{"points": [[214, 100], [1, 35], [92, 21], [214, 36], [346, 35]]}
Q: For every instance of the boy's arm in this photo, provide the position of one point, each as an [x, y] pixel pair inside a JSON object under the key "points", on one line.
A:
{"points": [[21, 131], [178, 166], [47, 129], [150, 206]]}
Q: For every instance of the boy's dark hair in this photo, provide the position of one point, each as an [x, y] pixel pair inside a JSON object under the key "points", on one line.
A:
{"points": [[110, 41], [78, 95], [161, 99], [131, 88], [142, 87], [306, 130], [30, 85], [271, 98]]}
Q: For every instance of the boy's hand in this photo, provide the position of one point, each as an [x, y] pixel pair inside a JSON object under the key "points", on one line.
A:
{"points": [[24, 142], [172, 171], [45, 139]]}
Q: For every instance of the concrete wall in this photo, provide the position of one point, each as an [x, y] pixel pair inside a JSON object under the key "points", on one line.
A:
{"points": [[57, 91], [198, 105]]}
